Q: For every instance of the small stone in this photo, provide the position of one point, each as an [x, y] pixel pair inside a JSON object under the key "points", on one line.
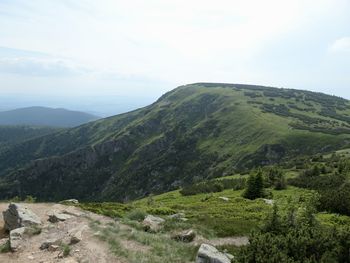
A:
{"points": [[185, 236], [226, 199], [46, 244], [269, 201], [53, 248], [30, 257], [55, 217]]}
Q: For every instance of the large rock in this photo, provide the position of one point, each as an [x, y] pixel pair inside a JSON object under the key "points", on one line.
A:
{"points": [[152, 223], [16, 238], [17, 216], [209, 254]]}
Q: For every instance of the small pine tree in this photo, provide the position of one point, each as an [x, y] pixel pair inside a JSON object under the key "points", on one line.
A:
{"points": [[255, 186]]}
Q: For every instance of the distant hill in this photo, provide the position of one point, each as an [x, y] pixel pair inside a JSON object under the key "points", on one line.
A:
{"points": [[42, 116], [194, 132]]}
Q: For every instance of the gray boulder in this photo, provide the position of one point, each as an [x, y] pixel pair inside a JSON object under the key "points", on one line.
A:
{"points": [[209, 254], [17, 216], [16, 238], [152, 223]]}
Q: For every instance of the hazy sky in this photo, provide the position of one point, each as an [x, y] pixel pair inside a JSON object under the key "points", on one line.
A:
{"points": [[138, 49]]}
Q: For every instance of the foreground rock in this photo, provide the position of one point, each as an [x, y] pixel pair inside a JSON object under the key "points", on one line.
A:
{"points": [[185, 236], [152, 223], [16, 238], [18, 216], [209, 254]]}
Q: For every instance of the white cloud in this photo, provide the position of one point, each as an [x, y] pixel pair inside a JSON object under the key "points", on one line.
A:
{"points": [[36, 66], [341, 45]]}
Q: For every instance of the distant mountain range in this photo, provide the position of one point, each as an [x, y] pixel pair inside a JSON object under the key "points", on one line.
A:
{"points": [[43, 116]]}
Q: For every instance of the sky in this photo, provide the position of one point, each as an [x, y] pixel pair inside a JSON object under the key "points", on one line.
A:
{"points": [[110, 56]]}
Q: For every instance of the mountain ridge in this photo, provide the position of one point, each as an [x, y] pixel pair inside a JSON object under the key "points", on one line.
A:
{"points": [[194, 132]]}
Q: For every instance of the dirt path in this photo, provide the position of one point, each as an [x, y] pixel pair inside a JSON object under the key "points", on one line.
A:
{"points": [[89, 250]]}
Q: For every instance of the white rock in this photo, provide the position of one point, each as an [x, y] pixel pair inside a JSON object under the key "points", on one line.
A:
{"points": [[209, 254], [226, 199], [269, 201]]}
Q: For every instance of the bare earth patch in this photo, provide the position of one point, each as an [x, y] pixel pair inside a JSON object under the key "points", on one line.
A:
{"points": [[89, 249]]}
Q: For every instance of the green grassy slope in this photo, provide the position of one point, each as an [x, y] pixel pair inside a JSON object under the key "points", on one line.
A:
{"points": [[194, 132], [12, 135]]}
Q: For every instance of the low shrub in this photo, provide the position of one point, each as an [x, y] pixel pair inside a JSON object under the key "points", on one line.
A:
{"points": [[136, 215]]}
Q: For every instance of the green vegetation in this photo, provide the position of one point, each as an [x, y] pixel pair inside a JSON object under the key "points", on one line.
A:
{"points": [[148, 248], [11, 135], [5, 248], [66, 249], [296, 236]]}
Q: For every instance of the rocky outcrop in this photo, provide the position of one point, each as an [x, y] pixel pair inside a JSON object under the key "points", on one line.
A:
{"points": [[209, 254], [152, 223], [18, 216]]}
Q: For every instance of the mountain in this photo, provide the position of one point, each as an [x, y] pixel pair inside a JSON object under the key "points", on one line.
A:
{"points": [[42, 116], [194, 132]]}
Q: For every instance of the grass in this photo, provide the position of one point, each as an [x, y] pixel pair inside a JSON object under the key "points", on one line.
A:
{"points": [[148, 248], [33, 230], [66, 249], [206, 213]]}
